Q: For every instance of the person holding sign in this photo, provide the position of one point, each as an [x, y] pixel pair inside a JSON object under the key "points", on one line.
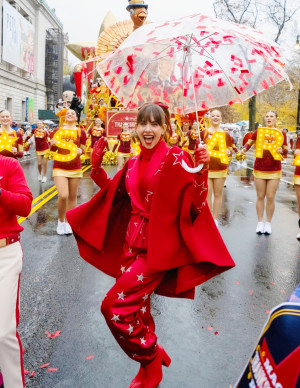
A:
{"points": [[150, 228], [11, 142], [219, 144], [270, 146], [67, 144]]}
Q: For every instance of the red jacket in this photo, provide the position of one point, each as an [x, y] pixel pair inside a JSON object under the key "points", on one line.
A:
{"points": [[15, 197], [182, 241]]}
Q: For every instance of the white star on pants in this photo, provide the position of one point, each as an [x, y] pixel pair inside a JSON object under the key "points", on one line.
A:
{"points": [[115, 318], [140, 277], [130, 329], [143, 341], [121, 295]]}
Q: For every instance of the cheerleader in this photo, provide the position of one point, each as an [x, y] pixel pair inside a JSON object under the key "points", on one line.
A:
{"points": [[67, 175], [17, 145], [42, 146], [191, 138], [174, 139], [124, 143], [97, 132], [267, 174], [217, 171], [296, 181]]}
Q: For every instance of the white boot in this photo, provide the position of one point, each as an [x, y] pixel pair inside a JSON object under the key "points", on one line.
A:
{"points": [[267, 228], [68, 229], [260, 227], [60, 228]]}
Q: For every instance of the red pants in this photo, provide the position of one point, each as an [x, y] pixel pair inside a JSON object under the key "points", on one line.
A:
{"points": [[126, 307]]}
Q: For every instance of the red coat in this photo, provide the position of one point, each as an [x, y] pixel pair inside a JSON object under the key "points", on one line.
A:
{"points": [[182, 241]]}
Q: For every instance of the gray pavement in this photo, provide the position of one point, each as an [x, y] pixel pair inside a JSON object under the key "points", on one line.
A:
{"points": [[209, 339]]}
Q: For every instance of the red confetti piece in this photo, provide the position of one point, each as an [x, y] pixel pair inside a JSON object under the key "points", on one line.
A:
{"points": [[90, 357], [251, 292], [216, 333], [283, 291], [272, 283], [52, 369], [209, 328], [44, 366], [56, 334], [267, 311], [23, 351], [26, 371], [237, 282], [48, 334], [32, 374], [118, 70]]}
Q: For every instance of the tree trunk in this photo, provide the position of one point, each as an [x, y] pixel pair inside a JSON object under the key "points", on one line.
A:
{"points": [[252, 113]]}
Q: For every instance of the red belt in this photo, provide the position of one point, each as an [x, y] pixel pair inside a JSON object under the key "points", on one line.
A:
{"points": [[9, 240]]}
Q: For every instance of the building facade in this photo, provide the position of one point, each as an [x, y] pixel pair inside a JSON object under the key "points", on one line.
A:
{"points": [[32, 57]]}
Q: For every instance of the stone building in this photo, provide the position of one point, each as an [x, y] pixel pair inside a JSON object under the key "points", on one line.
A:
{"points": [[32, 57]]}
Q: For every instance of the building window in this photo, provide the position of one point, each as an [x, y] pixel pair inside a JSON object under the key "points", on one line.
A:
{"points": [[23, 110], [8, 104]]}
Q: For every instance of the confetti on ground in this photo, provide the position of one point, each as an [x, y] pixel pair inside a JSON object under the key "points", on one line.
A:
{"points": [[283, 291], [237, 282], [45, 365], [26, 372], [56, 334], [216, 333], [23, 351], [32, 374], [251, 292], [89, 357], [48, 334], [267, 311], [209, 328], [272, 283], [52, 369]]}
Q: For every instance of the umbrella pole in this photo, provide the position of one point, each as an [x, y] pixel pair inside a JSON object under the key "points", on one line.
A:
{"points": [[194, 90]]}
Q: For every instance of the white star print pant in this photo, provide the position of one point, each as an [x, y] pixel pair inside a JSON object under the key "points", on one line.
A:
{"points": [[126, 307], [11, 364]]}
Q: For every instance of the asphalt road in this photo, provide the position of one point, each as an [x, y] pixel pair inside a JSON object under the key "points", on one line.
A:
{"points": [[209, 339]]}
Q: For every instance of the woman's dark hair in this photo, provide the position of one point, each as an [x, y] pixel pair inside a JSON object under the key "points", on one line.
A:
{"points": [[273, 111], [151, 112]]}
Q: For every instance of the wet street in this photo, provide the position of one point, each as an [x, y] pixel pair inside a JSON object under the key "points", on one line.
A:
{"points": [[209, 339]]}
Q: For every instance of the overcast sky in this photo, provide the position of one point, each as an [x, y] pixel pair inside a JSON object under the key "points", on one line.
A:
{"points": [[82, 18]]}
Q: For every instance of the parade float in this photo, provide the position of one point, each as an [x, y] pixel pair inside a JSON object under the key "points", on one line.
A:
{"points": [[100, 102]]}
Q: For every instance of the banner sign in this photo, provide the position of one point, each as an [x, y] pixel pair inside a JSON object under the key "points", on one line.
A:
{"points": [[29, 114], [18, 39], [275, 362], [116, 119]]}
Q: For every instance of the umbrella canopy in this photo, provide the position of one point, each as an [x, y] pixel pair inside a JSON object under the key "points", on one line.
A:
{"points": [[192, 63], [49, 122]]}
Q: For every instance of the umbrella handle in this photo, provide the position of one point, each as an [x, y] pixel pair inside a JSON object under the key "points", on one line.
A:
{"points": [[191, 169]]}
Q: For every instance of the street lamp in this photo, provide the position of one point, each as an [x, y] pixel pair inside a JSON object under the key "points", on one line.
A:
{"points": [[297, 47]]}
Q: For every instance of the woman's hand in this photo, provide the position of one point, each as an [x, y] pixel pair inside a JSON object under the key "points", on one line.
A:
{"points": [[79, 151], [243, 151], [279, 150], [14, 150], [52, 142], [202, 157], [98, 152], [297, 152], [228, 152]]}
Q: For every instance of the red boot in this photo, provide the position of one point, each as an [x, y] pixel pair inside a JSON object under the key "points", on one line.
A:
{"points": [[154, 373], [138, 381]]}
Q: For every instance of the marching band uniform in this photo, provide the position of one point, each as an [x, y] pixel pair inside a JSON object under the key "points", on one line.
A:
{"points": [[69, 169], [15, 199], [18, 143], [217, 169], [267, 167], [151, 229]]}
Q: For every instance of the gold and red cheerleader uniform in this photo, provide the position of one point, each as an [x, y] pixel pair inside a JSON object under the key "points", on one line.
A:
{"points": [[71, 169], [18, 143], [192, 138], [96, 134], [296, 177], [174, 140], [125, 145], [267, 167], [217, 169], [42, 138]]}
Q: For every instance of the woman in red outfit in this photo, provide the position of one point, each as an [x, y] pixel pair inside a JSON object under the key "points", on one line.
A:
{"points": [[124, 143], [16, 150], [267, 174], [97, 132], [217, 171], [296, 181], [151, 229], [67, 174]]}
